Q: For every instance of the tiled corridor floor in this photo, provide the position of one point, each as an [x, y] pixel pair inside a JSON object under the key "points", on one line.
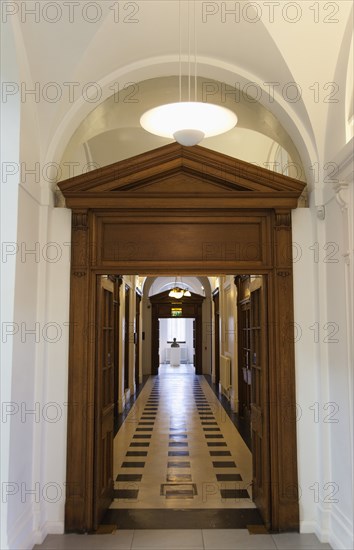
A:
{"points": [[178, 449], [178, 453], [196, 539]]}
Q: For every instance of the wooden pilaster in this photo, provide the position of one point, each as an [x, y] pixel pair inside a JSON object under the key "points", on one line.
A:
{"points": [[80, 404], [284, 494]]}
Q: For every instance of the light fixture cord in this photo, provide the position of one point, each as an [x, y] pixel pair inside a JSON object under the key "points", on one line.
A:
{"points": [[189, 53], [180, 51], [195, 53]]}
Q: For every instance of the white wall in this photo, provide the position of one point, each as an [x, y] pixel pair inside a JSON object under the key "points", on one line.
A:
{"points": [[10, 156], [307, 364], [337, 400], [26, 397], [55, 376], [323, 291]]}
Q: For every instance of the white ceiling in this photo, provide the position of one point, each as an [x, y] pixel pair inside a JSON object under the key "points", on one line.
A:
{"points": [[306, 47], [194, 284]]}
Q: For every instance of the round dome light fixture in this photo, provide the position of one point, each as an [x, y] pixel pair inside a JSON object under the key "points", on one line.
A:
{"points": [[188, 122]]}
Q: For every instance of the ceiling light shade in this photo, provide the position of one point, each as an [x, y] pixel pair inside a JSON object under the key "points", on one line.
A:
{"points": [[176, 293], [188, 122], [187, 293]]}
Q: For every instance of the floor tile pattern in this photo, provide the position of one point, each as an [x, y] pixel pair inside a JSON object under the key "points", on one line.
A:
{"points": [[186, 451]]}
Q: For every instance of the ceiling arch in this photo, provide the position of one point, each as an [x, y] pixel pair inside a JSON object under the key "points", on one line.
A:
{"points": [[115, 48], [199, 285], [112, 131]]}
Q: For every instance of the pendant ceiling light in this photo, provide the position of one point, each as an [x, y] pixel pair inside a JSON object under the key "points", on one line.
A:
{"points": [[177, 292], [188, 122]]}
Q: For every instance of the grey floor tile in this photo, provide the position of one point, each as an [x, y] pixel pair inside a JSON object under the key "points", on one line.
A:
{"points": [[296, 541], [168, 539], [121, 540], [236, 539]]}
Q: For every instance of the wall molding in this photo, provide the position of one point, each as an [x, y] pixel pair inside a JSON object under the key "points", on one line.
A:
{"points": [[340, 531], [332, 527], [22, 536], [48, 528]]}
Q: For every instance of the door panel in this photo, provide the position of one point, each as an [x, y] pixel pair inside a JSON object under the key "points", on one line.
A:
{"points": [[104, 389], [245, 359], [217, 337], [118, 282], [260, 402], [126, 337], [137, 339]]}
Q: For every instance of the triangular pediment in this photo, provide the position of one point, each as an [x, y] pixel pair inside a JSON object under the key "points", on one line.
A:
{"points": [[177, 171]]}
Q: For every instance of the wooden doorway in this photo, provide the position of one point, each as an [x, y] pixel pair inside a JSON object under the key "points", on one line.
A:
{"points": [[104, 393], [191, 308], [222, 216]]}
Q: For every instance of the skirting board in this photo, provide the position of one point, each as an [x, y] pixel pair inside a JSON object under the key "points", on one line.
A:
{"points": [[341, 534], [313, 527], [49, 528], [22, 536]]}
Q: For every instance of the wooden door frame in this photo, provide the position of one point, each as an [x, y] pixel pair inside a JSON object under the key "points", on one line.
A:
{"points": [[191, 309], [223, 216]]}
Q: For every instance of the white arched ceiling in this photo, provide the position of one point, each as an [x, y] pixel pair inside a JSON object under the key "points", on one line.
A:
{"points": [[112, 132], [156, 285], [341, 109], [140, 42]]}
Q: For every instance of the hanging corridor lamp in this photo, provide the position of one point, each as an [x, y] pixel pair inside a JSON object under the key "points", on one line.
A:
{"points": [[177, 292], [188, 122]]}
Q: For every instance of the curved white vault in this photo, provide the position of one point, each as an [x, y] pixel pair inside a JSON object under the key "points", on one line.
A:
{"points": [[112, 132], [156, 285]]}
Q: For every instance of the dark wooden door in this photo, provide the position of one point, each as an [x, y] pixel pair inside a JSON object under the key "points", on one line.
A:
{"points": [[136, 339], [245, 370], [216, 300], [104, 411], [155, 342], [126, 337], [260, 403], [116, 303]]}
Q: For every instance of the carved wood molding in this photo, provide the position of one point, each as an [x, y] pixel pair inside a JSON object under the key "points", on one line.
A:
{"points": [[80, 220], [80, 242], [282, 220], [208, 179]]}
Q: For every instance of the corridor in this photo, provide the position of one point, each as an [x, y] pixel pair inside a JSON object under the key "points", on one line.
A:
{"points": [[179, 450]]}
